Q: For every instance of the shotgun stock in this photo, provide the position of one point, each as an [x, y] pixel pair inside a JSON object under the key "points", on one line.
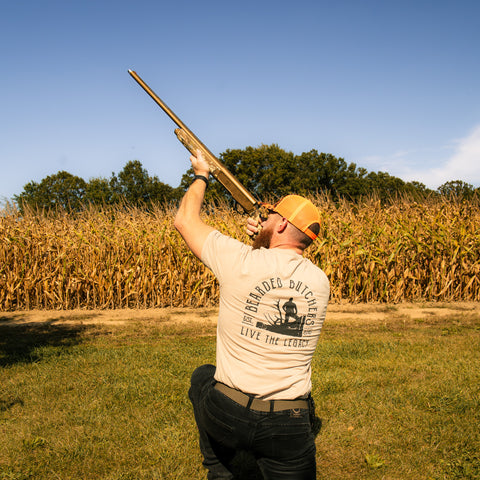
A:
{"points": [[240, 194]]}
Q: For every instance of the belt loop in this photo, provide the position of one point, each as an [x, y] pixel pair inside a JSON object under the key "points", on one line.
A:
{"points": [[249, 403], [272, 403]]}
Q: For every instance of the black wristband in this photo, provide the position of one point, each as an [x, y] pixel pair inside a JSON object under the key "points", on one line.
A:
{"points": [[201, 177]]}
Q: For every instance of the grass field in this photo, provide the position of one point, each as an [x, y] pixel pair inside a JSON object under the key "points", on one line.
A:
{"points": [[103, 395]]}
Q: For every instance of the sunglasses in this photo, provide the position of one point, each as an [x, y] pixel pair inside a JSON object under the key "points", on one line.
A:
{"points": [[265, 213]]}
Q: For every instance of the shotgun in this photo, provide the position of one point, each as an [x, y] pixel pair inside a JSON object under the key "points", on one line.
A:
{"points": [[240, 194]]}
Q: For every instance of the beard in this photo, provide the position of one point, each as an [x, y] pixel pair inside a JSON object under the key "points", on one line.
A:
{"points": [[263, 239]]}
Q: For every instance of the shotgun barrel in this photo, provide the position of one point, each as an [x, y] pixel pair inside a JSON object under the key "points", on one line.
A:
{"points": [[240, 194]]}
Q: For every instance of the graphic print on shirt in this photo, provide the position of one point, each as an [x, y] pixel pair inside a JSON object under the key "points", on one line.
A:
{"points": [[283, 317], [290, 323]]}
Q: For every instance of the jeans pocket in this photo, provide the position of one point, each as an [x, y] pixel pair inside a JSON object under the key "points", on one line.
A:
{"points": [[286, 437], [218, 423]]}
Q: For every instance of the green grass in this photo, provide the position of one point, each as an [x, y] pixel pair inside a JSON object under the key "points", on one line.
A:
{"points": [[397, 400]]}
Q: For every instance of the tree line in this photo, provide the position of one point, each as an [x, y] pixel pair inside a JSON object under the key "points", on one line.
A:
{"points": [[133, 186], [267, 171]]}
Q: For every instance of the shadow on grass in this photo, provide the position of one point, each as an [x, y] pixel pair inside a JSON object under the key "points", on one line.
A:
{"points": [[19, 342]]}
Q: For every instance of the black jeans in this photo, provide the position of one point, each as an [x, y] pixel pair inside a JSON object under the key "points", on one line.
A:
{"points": [[281, 442]]}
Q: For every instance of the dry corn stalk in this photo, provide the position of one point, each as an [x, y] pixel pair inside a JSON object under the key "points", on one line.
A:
{"points": [[126, 257]]}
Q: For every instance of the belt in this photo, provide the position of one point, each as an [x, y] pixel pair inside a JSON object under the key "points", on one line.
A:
{"points": [[256, 403]]}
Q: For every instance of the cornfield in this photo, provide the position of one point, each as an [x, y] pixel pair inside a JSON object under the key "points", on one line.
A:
{"points": [[127, 257]]}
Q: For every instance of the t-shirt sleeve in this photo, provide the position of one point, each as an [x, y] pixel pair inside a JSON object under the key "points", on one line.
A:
{"points": [[222, 254]]}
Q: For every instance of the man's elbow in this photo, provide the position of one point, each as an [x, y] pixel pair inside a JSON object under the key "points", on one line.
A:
{"points": [[184, 224], [179, 223]]}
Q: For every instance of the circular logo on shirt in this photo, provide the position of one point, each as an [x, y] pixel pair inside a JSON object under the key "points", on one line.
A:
{"points": [[293, 315]]}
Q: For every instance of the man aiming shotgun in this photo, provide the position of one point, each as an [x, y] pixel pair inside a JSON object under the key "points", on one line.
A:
{"points": [[258, 396]]}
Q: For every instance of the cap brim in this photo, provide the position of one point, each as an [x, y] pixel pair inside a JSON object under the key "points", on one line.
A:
{"points": [[267, 205]]}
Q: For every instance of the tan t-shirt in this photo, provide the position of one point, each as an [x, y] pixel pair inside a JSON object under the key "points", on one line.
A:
{"points": [[272, 306]]}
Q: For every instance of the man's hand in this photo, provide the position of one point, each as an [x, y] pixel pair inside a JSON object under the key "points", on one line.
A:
{"points": [[199, 164], [253, 226]]}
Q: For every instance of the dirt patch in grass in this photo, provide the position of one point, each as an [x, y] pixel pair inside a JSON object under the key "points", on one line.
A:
{"points": [[357, 313]]}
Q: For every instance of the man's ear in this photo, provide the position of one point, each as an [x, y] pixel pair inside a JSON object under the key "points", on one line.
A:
{"points": [[282, 225]]}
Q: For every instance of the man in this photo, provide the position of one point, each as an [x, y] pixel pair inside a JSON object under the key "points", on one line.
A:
{"points": [[290, 310], [257, 398]]}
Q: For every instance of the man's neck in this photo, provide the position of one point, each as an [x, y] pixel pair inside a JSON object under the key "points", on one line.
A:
{"points": [[286, 246]]}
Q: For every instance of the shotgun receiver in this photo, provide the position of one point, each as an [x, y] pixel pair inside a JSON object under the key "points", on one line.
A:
{"points": [[241, 195]]}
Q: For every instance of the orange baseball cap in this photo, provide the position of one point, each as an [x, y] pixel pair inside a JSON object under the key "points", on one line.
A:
{"points": [[299, 211]]}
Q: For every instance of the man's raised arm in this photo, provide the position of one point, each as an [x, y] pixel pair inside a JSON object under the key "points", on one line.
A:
{"points": [[188, 221]]}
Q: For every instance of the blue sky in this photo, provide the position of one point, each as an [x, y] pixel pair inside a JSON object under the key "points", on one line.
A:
{"points": [[391, 86]]}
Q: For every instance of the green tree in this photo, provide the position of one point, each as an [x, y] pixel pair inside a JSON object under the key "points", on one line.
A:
{"points": [[323, 172], [99, 192], [384, 185], [64, 190], [418, 189], [457, 189], [266, 171], [270, 172], [134, 185], [61, 190]]}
